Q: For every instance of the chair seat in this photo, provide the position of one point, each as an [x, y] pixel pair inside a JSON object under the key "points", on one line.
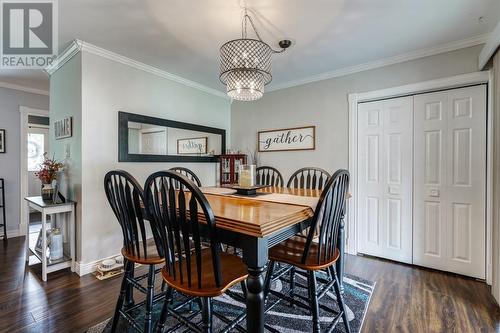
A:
{"points": [[232, 267], [292, 250], [152, 258]]}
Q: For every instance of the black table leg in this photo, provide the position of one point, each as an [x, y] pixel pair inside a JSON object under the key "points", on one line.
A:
{"points": [[255, 256]]}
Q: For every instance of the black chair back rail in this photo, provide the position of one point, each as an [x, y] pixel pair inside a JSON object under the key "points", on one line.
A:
{"points": [[126, 198], [176, 202], [266, 175], [309, 178], [327, 217], [188, 173]]}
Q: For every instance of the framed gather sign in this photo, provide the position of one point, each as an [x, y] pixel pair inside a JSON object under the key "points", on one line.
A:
{"points": [[297, 138], [192, 146]]}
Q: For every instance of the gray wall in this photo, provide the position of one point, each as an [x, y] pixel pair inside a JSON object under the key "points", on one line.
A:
{"points": [[104, 88], [10, 163], [325, 105], [66, 101]]}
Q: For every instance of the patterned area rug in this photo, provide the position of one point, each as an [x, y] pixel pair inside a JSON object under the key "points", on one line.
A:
{"points": [[286, 319]]}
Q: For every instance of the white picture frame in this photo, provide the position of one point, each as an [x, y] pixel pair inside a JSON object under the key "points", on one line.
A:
{"points": [[287, 139], [63, 128], [190, 146]]}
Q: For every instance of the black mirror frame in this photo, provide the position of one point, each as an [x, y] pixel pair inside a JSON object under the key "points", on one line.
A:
{"points": [[124, 156]]}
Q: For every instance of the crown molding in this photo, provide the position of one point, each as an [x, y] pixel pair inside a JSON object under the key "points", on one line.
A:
{"points": [[442, 48], [79, 45], [490, 48], [30, 90]]}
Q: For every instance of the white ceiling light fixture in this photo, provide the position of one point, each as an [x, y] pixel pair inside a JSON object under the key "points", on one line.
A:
{"points": [[245, 63]]}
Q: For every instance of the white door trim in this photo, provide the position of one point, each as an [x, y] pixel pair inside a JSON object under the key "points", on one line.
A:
{"points": [[409, 89], [25, 112]]}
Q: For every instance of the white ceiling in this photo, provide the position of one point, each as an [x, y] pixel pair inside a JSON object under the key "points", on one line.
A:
{"points": [[183, 36]]}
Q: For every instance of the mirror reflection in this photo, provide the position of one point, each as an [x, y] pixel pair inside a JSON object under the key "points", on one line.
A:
{"points": [[150, 139]]}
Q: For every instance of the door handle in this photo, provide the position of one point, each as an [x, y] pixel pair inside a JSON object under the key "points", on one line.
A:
{"points": [[434, 192], [394, 190]]}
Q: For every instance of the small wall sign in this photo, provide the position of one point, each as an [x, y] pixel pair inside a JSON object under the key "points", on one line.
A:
{"points": [[2, 141], [298, 138], [63, 128], [192, 146]]}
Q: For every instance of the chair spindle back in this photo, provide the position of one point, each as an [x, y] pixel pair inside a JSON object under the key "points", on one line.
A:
{"points": [[178, 205], [309, 178], [327, 217], [267, 175], [188, 173], [126, 199]]}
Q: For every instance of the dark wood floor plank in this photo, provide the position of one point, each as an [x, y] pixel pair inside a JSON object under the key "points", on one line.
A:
{"points": [[406, 298]]}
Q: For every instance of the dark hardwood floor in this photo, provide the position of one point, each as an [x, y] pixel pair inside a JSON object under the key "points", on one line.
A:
{"points": [[406, 298]]}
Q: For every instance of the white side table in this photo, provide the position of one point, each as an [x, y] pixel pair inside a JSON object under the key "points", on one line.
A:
{"points": [[46, 208]]}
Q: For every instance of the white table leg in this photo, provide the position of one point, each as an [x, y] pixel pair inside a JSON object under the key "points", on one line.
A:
{"points": [[72, 237], [44, 247], [27, 220]]}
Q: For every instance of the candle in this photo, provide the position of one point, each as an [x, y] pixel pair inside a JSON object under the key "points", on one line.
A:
{"points": [[247, 176]]}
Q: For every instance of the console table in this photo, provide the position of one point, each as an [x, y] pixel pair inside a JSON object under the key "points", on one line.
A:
{"points": [[48, 208]]}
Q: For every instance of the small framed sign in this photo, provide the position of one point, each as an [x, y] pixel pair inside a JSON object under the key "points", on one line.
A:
{"points": [[192, 146], [2, 141], [63, 128], [297, 138]]}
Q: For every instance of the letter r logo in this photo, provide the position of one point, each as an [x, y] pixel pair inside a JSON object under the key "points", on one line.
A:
{"points": [[27, 28]]}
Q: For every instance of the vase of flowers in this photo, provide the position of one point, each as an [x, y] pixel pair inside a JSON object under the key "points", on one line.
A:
{"points": [[47, 174]]}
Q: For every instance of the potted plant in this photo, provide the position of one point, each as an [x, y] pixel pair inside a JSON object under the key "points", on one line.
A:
{"points": [[47, 174]]}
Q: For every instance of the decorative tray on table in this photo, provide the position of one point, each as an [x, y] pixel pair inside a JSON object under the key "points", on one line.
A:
{"points": [[252, 190]]}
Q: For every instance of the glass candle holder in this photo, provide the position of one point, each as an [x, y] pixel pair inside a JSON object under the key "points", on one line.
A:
{"points": [[247, 175]]}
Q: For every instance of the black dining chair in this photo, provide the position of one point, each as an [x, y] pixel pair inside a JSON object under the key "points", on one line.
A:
{"points": [[266, 175], [194, 270], [310, 256], [126, 199], [309, 178], [188, 173]]}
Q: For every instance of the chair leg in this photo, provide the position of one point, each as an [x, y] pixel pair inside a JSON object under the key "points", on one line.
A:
{"points": [[148, 319], [292, 284], [207, 315], [313, 300], [244, 288], [129, 293], [340, 299], [269, 277], [121, 297], [164, 311]]}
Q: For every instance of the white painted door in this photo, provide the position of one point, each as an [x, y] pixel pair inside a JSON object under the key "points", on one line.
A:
{"points": [[385, 178], [450, 173]]}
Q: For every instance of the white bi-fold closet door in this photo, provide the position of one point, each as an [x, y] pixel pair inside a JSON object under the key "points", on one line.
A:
{"points": [[385, 178], [421, 179], [450, 176]]}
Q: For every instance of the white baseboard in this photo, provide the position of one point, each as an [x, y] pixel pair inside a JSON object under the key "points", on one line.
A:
{"points": [[13, 233], [89, 267]]}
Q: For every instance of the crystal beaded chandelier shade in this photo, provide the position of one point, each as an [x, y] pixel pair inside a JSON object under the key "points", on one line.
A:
{"points": [[245, 64]]}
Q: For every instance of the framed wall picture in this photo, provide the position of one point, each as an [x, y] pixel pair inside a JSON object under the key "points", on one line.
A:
{"points": [[2, 141], [63, 128], [192, 146], [297, 138]]}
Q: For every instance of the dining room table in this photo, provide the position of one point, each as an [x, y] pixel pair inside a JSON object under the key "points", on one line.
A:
{"points": [[256, 223]]}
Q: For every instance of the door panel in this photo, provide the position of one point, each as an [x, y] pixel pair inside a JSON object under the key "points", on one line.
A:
{"points": [[385, 178], [449, 185]]}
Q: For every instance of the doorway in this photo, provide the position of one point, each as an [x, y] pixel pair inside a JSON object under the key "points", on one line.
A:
{"points": [[34, 143]]}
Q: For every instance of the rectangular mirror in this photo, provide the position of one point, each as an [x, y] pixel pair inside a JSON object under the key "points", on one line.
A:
{"points": [[149, 139]]}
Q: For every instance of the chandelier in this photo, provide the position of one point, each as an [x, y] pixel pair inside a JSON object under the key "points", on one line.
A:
{"points": [[245, 63]]}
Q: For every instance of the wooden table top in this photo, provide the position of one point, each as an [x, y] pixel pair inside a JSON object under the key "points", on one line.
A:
{"points": [[257, 217]]}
